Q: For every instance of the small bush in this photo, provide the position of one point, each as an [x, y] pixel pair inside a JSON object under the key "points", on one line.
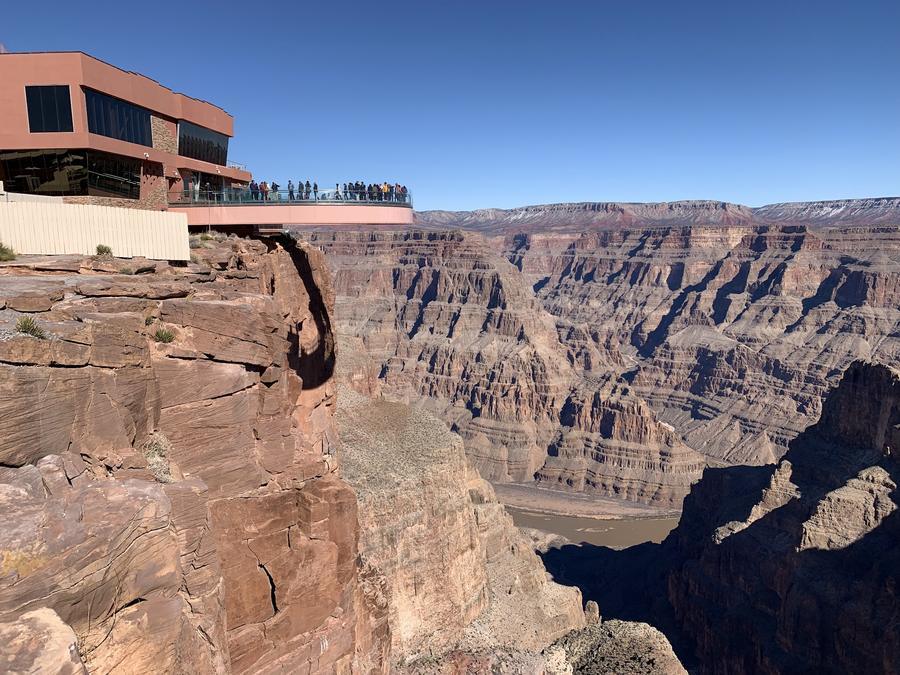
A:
{"points": [[206, 236], [149, 320], [126, 270], [163, 335], [29, 326], [104, 250], [156, 451], [6, 253]]}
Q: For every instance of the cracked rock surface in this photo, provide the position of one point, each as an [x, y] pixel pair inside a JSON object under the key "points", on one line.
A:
{"points": [[168, 480]]}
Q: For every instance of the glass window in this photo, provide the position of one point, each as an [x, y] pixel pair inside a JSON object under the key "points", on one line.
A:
{"points": [[115, 118], [71, 172], [113, 176], [44, 172], [201, 143], [49, 108]]}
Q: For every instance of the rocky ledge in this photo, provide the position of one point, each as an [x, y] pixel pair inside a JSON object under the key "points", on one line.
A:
{"points": [[796, 567], [459, 577], [167, 473]]}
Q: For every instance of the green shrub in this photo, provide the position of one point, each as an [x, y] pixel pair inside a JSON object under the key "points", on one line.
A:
{"points": [[6, 253], [156, 451], [149, 320], [28, 326], [104, 250], [126, 270], [163, 335]]}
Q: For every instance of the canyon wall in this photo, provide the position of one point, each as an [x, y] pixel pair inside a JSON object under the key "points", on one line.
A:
{"points": [[731, 334], [459, 577], [785, 568], [167, 468], [444, 318], [620, 361], [795, 567], [578, 217]]}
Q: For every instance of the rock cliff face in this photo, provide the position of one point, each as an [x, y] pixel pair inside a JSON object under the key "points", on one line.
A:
{"points": [[801, 560], [620, 361], [168, 479], [732, 335], [458, 575], [440, 317], [786, 568]]}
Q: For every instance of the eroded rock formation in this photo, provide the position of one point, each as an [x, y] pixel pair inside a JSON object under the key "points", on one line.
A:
{"points": [[168, 481], [614, 648], [440, 317], [801, 560], [786, 568], [732, 335], [459, 577], [621, 360]]}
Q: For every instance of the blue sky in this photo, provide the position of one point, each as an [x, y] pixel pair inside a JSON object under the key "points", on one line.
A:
{"points": [[505, 103]]}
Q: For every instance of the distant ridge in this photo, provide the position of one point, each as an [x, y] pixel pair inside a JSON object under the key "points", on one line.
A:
{"points": [[618, 215]]}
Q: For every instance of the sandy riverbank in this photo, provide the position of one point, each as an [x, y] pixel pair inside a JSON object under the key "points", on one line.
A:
{"points": [[529, 497]]}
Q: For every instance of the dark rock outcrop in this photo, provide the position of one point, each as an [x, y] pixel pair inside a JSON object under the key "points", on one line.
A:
{"points": [[800, 574], [786, 568]]}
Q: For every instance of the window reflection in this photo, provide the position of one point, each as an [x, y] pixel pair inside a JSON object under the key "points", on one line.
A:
{"points": [[201, 143], [49, 108], [115, 118], [70, 172]]}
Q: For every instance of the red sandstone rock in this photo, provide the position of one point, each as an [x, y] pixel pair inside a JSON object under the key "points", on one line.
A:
{"points": [[439, 316], [177, 503]]}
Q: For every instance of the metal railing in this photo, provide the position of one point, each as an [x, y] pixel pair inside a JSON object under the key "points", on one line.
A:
{"points": [[238, 196]]}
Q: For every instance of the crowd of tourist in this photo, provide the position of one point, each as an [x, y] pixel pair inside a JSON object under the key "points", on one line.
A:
{"points": [[352, 192]]}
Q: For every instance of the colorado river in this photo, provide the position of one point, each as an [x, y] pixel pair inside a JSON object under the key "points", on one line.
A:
{"points": [[619, 533]]}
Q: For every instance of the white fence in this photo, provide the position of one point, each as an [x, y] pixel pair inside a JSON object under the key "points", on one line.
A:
{"points": [[53, 228], [22, 197]]}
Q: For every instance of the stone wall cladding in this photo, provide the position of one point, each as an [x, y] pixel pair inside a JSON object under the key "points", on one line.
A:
{"points": [[164, 135], [154, 192]]}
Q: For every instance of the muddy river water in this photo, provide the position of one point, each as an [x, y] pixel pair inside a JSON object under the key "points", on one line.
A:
{"points": [[619, 533]]}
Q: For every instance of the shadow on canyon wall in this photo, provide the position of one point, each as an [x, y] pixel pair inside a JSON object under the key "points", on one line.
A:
{"points": [[765, 598], [317, 367]]}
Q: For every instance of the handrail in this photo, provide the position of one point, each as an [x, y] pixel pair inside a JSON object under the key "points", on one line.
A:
{"points": [[236, 196], [114, 177]]}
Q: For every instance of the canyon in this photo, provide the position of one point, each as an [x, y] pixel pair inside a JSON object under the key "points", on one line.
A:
{"points": [[183, 492], [280, 457], [799, 558], [572, 346]]}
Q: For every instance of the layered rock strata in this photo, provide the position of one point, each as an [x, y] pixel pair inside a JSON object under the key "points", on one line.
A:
{"points": [[440, 317], [801, 560], [459, 577], [732, 335], [168, 475], [621, 361], [578, 217]]}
